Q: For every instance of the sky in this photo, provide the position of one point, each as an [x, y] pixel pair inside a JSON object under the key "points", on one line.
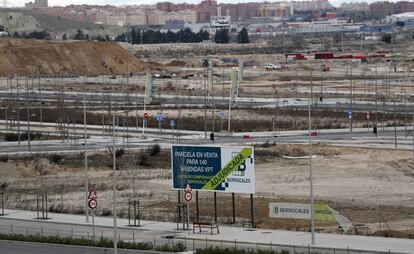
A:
{"points": [[128, 2]]}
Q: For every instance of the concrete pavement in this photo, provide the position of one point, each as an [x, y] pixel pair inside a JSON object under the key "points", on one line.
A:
{"points": [[239, 234]]}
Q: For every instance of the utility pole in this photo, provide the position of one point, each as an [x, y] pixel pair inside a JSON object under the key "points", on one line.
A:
{"points": [[86, 161], [311, 178]]}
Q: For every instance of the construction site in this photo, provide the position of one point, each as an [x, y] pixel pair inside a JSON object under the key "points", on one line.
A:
{"points": [[66, 105]]}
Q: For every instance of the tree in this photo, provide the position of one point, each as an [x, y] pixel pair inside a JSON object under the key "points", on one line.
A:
{"points": [[171, 37], [400, 23], [387, 38], [243, 36], [79, 35], [221, 36], [121, 38], [135, 36]]}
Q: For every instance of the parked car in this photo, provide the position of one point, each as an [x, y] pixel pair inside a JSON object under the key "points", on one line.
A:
{"points": [[271, 67]]}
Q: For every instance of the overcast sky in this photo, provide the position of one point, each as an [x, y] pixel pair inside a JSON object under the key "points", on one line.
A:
{"points": [[126, 2]]}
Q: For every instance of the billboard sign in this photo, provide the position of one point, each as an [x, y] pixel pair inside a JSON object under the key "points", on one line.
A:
{"points": [[149, 88], [210, 168], [220, 21], [300, 211]]}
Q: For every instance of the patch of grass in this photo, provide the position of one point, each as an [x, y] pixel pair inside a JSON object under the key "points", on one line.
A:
{"points": [[218, 250], [102, 242]]}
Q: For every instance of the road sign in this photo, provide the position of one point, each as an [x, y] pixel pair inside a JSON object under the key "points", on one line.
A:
{"points": [[188, 196], [172, 123], [221, 115], [145, 115], [350, 114], [219, 169], [188, 188], [367, 115], [159, 117], [92, 194], [92, 203]]}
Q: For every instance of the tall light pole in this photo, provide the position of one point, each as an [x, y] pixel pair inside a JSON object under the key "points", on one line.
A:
{"points": [[376, 99], [311, 177], [86, 161], [18, 108], [114, 186], [351, 95], [28, 114]]}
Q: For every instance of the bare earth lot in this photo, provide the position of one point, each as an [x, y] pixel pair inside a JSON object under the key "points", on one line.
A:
{"points": [[362, 183]]}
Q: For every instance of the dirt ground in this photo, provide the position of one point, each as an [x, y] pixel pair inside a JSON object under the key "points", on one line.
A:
{"points": [[363, 184], [32, 57]]}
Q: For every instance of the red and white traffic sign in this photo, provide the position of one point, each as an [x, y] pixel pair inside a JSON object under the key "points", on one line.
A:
{"points": [[188, 196], [92, 194], [92, 203], [145, 115], [367, 114], [188, 188]]}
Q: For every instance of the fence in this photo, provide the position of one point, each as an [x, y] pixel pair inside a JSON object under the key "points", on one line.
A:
{"points": [[135, 235]]}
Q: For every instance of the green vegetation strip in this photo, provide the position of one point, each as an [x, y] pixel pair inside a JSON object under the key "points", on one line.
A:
{"points": [[102, 242], [218, 250]]}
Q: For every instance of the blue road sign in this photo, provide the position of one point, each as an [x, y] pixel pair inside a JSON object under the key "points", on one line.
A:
{"points": [[221, 115], [350, 114], [172, 123], [159, 117]]}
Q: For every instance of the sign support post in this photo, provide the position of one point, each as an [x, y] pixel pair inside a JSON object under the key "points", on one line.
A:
{"points": [[197, 207], [234, 207], [93, 225], [252, 211], [215, 207]]}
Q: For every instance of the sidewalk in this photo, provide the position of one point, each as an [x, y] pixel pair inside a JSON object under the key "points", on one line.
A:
{"points": [[241, 235]]}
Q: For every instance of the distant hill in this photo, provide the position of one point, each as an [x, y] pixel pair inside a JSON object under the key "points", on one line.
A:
{"points": [[21, 20], [65, 57]]}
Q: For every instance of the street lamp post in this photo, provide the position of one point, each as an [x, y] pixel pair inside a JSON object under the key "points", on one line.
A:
{"points": [[114, 186], [86, 161], [311, 177]]}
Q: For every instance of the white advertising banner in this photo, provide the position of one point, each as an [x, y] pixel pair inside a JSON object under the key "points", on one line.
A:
{"points": [[289, 210]]}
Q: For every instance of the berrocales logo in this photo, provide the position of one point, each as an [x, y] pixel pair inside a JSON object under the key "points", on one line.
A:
{"points": [[276, 209]]}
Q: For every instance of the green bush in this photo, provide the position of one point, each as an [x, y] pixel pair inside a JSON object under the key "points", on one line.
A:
{"points": [[179, 247], [218, 250], [102, 242]]}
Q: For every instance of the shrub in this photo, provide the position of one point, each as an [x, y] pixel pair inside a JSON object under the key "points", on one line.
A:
{"points": [[155, 150], [56, 158]]}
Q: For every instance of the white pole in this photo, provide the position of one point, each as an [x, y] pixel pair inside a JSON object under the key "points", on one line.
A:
{"points": [[311, 179], [114, 186], [143, 118], [93, 225], [86, 161], [188, 217], [230, 100]]}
